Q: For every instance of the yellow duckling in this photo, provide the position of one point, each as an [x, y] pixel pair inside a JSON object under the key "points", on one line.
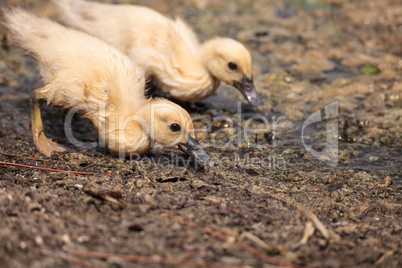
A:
{"points": [[168, 49], [84, 73]]}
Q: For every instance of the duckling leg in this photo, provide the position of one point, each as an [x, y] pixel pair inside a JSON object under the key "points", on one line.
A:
{"points": [[44, 145]]}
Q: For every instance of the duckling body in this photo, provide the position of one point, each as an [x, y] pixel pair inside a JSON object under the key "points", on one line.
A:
{"points": [[168, 49], [84, 73]]}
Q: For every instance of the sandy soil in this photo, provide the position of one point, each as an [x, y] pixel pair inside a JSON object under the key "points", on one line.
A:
{"points": [[273, 200]]}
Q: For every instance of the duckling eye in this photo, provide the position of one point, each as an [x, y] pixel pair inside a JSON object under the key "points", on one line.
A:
{"points": [[232, 66], [175, 127]]}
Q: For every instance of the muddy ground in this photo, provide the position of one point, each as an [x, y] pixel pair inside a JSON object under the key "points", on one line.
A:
{"points": [[265, 192]]}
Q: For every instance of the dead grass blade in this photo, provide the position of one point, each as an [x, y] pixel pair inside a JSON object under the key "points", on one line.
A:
{"points": [[225, 238]]}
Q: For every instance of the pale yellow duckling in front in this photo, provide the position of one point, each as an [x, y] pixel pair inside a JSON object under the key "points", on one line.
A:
{"points": [[168, 49], [84, 73]]}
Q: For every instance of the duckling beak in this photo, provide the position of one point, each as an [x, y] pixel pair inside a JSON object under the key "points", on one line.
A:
{"points": [[246, 87], [194, 149]]}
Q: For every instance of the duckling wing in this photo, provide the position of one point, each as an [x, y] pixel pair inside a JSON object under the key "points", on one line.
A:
{"points": [[81, 70], [167, 49]]}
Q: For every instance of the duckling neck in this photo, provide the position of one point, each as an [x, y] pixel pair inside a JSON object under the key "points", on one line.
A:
{"points": [[209, 56], [190, 82], [125, 135], [143, 117]]}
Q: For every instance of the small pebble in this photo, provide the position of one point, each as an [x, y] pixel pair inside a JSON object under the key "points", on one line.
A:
{"points": [[39, 240], [78, 186], [66, 239]]}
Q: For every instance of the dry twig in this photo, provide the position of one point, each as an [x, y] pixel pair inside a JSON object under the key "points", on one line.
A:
{"points": [[385, 256], [26, 157], [318, 224], [150, 259], [386, 182], [48, 169], [254, 239], [308, 232], [73, 260], [114, 197], [24, 181], [223, 237]]}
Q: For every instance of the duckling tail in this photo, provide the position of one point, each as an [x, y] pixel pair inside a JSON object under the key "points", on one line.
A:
{"points": [[75, 13], [26, 30]]}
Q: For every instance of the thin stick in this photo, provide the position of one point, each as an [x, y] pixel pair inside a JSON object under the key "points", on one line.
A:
{"points": [[133, 258], [68, 258], [227, 239], [318, 224], [149, 259], [43, 168], [23, 181], [26, 157], [308, 232], [254, 239]]}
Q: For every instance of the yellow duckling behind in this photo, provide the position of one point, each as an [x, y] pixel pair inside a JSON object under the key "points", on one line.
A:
{"points": [[168, 49], [104, 85]]}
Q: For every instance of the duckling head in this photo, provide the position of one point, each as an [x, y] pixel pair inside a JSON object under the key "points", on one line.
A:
{"points": [[230, 62], [172, 126]]}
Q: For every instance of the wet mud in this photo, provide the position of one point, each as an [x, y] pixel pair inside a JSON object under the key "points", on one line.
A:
{"points": [[326, 193]]}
